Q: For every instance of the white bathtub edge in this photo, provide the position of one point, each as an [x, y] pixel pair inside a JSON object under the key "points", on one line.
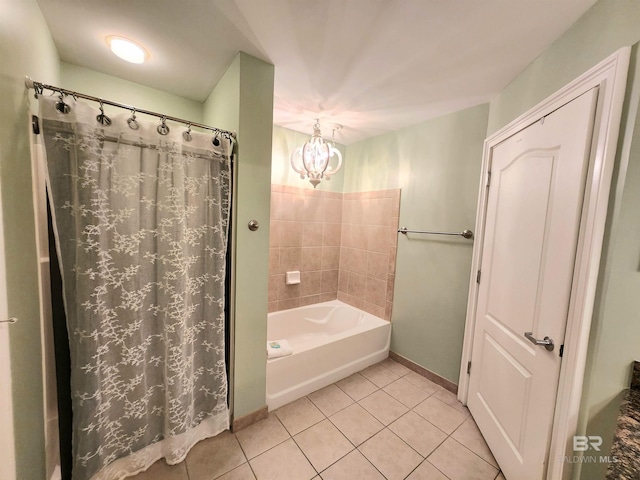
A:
{"points": [[321, 381]]}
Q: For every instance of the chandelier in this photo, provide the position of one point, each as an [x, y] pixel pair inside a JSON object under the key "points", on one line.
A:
{"points": [[315, 156]]}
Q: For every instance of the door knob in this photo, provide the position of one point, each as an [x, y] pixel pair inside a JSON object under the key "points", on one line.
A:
{"points": [[546, 343]]}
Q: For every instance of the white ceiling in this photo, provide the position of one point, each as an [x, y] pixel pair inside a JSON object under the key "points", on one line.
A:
{"points": [[370, 65]]}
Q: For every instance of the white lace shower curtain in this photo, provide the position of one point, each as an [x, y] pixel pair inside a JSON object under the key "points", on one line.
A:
{"points": [[141, 227]]}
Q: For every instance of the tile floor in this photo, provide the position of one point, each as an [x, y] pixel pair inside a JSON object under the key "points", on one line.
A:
{"points": [[385, 422]]}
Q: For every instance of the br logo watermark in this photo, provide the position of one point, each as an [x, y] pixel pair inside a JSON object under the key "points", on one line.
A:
{"points": [[591, 443], [583, 444]]}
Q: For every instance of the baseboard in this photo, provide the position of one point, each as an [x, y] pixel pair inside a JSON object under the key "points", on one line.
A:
{"points": [[238, 424], [434, 377]]}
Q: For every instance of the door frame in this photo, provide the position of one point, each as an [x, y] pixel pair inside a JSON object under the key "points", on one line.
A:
{"points": [[610, 76], [7, 439]]}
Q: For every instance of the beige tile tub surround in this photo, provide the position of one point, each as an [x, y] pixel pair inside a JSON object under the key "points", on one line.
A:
{"points": [[305, 235], [368, 250], [344, 246]]}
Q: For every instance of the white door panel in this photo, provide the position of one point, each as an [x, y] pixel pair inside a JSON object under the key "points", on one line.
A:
{"points": [[507, 407], [534, 207]]}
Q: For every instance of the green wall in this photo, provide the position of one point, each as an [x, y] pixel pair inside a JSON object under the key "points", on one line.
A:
{"points": [[437, 165], [106, 86], [26, 48], [607, 26], [252, 248], [222, 108], [243, 101], [615, 332], [286, 141]]}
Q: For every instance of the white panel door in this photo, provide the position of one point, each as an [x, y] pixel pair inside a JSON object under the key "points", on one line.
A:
{"points": [[7, 448], [534, 207]]}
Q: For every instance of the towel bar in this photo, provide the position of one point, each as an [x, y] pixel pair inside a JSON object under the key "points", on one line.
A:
{"points": [[464, 233]]}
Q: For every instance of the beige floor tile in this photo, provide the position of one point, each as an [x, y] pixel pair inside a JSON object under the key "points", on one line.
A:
{"points": [[330, 400], [243, 472], [215, 456], [500, 476], [459, 463], [425, 384], [298, 415], [452, 400], [262, 436], [395, 367], [426, 471], [389, 454], [419, 434], [440, 414], [379, 375], [384, 407], [323, 444], [469, 435], [356, 386], [161, 471], [406, 392], [356, 423], [352, 467], [284, 462]]}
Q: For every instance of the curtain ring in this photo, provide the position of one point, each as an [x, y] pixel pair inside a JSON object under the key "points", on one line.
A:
{"points": [[38, 90], [163, 128], [215, 141], [61, 106], [187, 134], [102, 118], [132, 122]]}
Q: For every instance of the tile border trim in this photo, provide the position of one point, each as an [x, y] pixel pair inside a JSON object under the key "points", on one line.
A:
{"points": [[238, 424], [428, 374]]}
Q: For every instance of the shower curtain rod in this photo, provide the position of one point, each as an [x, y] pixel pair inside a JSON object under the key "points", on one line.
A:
{"points": [[40, 87]]}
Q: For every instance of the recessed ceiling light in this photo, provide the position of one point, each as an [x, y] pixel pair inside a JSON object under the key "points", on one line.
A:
{"points": [[126, 49]]}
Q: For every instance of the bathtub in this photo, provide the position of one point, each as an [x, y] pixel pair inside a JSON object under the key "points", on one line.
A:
{"points": [[330, 341]]}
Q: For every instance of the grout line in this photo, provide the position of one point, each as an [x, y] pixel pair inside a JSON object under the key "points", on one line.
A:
{"points": [[273, 446], [427, 460], [402, 440], [305, 455], [460, 443], [253, 472], [330, 465], [423, 461], [434, 426], [370, 462], [369, 437]]}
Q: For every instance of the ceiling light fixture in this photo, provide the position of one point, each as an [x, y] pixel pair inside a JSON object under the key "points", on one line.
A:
{"points": [[315, 155], [127, 49]]}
